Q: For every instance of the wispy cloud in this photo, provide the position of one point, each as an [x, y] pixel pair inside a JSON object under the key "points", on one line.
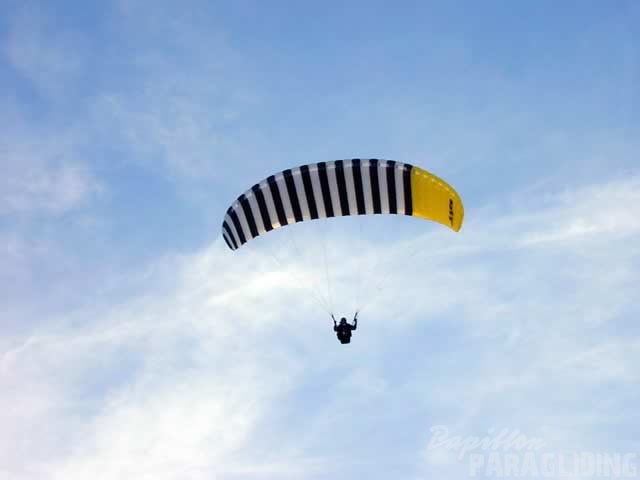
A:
{"points": [[44, 169], [199, 379], [47, 57], [31, 185]]}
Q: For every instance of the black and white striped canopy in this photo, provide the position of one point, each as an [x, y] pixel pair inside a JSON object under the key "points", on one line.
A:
{"points": [[320, 190]]}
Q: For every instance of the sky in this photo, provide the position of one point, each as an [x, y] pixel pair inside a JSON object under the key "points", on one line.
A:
{"points": [[134, 344]]}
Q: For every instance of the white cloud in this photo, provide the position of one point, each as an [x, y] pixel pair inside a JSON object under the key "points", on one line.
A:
{"points": [[610, 210], [186, 107], [43, 166], [200, 379], [31, 185]]}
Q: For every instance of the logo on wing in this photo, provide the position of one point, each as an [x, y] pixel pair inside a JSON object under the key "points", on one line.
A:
{"points": [[451, 211]]}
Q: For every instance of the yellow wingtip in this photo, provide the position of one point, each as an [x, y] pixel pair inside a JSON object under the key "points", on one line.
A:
{"points": [[436, 200]]}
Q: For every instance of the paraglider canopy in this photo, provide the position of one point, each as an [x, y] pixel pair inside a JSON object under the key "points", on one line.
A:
{"points": [[340, 188]]}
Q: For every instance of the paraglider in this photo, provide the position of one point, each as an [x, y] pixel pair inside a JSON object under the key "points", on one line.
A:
{"points": [[340, 188], [343, 329]]}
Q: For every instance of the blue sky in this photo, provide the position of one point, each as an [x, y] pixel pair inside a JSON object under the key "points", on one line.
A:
{"points": [[134, 345]]}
